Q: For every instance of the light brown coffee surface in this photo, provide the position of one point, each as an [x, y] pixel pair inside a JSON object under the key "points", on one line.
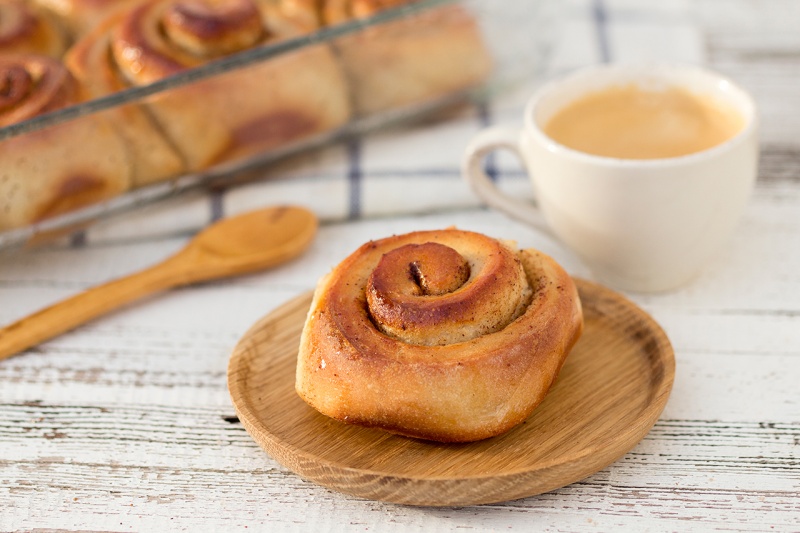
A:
{"points": [[629, 122]]}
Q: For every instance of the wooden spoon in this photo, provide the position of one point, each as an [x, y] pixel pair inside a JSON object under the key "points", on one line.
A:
{"points": [[236, 245]]}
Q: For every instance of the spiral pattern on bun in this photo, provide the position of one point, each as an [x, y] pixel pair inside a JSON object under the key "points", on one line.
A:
{"points": [[160, 38], [445, 335], [31, 85], [49, 171], [27, 29], [229, 116]]}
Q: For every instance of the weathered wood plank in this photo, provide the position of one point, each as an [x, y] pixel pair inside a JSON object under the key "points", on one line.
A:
{"points": [[126, 423]]}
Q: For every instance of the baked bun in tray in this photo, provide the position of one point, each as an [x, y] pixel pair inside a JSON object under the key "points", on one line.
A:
{"points": [[231, 115], [48, 172], [427, 55]]}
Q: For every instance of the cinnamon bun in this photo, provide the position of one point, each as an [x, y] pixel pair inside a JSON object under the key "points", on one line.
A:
{"points": [[238, 113], [444, 335], [48, 172], [28, 29], [417, 59], [155, 157]]}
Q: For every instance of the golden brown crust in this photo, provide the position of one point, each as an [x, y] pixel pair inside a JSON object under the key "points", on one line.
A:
{"points": [[461, 387], [48, 172], [338, 11], [208, 30], [32, 85], [244, 111], [28, 29], [427, 55], [82, 16], [423, 56], [160, 38], [306, 14], [154, 158]]}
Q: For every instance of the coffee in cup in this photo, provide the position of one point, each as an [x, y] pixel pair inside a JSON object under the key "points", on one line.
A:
{"points": [[643, 170], [633, 122]]}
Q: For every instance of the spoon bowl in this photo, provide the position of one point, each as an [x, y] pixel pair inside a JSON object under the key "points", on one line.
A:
{"points": [[237, 245], [248, 242]]}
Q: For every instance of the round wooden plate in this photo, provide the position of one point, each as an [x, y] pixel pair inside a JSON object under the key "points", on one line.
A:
{"points": [[609, 394]]}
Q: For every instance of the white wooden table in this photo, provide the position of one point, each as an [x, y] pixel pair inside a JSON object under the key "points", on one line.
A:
{"points": [[126, 424]]}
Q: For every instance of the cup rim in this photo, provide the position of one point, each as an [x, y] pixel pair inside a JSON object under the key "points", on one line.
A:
{"points": [[531, 125]]}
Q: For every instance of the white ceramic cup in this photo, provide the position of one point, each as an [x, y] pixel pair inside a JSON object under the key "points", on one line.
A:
{"points": [[643, 225]]}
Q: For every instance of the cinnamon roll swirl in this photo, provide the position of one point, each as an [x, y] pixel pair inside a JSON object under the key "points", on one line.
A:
{"points": [[50, 171], [28, 29], [241, 112], [154, 157], [444, 335], [410, 61]]}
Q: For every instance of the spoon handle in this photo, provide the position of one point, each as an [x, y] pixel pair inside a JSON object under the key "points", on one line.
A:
{"points": [[76, 310]]}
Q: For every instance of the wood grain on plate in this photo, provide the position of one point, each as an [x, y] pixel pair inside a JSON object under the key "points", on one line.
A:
{"points": [[611, 391]]}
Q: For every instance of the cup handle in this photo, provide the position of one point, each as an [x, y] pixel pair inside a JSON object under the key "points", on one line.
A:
{"points": [[485, 142]]}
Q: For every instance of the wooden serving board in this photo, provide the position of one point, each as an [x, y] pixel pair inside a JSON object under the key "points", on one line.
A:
{"points": [[609, 394]]}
